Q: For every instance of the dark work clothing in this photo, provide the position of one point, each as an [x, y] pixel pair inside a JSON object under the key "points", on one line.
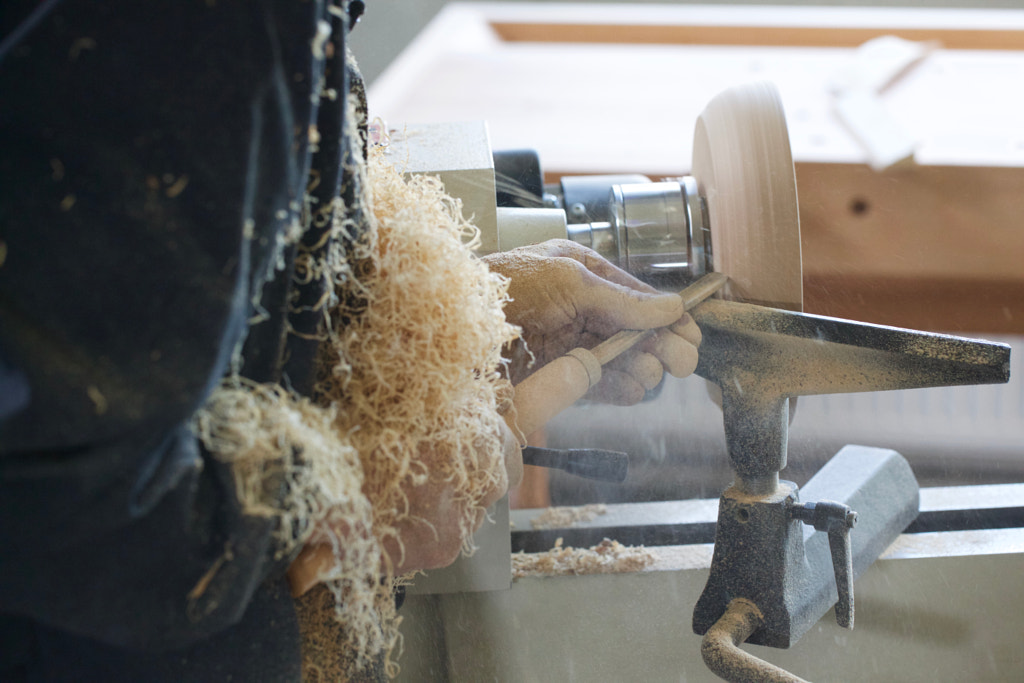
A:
{"points": [[259, 648], [153, 156]]}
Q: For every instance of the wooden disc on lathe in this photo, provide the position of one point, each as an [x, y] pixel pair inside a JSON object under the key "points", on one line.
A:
{"points": [[744, 169]]}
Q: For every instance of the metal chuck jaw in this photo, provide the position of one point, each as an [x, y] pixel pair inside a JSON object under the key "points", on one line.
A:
{"points": [[656, 231]]}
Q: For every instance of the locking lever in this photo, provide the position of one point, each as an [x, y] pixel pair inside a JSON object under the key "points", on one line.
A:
{"points": [[836, 519]]}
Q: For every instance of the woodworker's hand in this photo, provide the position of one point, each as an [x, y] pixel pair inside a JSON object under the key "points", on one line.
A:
{"points": [[565, 295], [430, 535]]}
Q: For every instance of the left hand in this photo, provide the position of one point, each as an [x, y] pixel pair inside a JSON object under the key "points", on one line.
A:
{"points": [[428, 537], [565, 295]]}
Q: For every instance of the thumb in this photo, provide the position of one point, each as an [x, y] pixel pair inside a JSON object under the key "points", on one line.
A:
{"points": [[623, 308], [308, 569]]}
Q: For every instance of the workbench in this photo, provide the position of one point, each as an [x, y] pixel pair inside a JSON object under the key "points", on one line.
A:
{"points": [[935, 244]]}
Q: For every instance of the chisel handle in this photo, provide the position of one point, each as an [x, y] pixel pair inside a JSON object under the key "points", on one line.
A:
{"points": [[565, 380]]}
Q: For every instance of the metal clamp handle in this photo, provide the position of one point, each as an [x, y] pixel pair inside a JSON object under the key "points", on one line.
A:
{"points": [[836, 519]]}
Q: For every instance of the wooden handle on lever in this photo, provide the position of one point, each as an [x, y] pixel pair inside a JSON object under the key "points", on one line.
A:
{"points": [[565, 380]]}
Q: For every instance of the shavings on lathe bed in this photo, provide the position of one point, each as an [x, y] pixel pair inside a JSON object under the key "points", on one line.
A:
{"points": [[565, 517], [607, 557]]}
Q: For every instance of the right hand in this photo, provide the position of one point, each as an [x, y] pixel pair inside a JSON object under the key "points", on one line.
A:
{"points": [[565, 295]]}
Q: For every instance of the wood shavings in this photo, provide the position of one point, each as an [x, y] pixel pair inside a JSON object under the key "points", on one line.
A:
{"points": [[414, 355], [177, 187], [204, 581], [608, 557], [407, 394], [313, 136], [565, 517], [275, 440], [323, 33], [328, 655], [99, 401]]}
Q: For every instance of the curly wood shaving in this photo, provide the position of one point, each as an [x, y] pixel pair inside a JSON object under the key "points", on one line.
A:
{"points": [[414, 355], [278, 442], [408, 393]]}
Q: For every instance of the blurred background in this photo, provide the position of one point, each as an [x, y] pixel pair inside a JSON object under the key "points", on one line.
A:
{"points": [[389, 25], [935, 245]]}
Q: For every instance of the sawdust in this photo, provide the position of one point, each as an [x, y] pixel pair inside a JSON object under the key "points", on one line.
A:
{"points": [[565, 517], [328, 653], [608, 557]]}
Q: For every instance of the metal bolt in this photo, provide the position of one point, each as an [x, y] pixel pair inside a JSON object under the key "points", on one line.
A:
{"points": [[824, 515], [552, 201]]}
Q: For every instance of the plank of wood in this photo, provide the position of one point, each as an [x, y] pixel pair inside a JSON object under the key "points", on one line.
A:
{"points": [[934, 222], [947, 305], [747, 36]]}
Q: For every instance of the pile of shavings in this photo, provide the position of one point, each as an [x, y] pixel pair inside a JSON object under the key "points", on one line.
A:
{"points": [[408, 394]]}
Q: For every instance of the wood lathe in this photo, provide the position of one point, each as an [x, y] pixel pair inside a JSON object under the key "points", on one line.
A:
{"points": [[783, 554]]}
